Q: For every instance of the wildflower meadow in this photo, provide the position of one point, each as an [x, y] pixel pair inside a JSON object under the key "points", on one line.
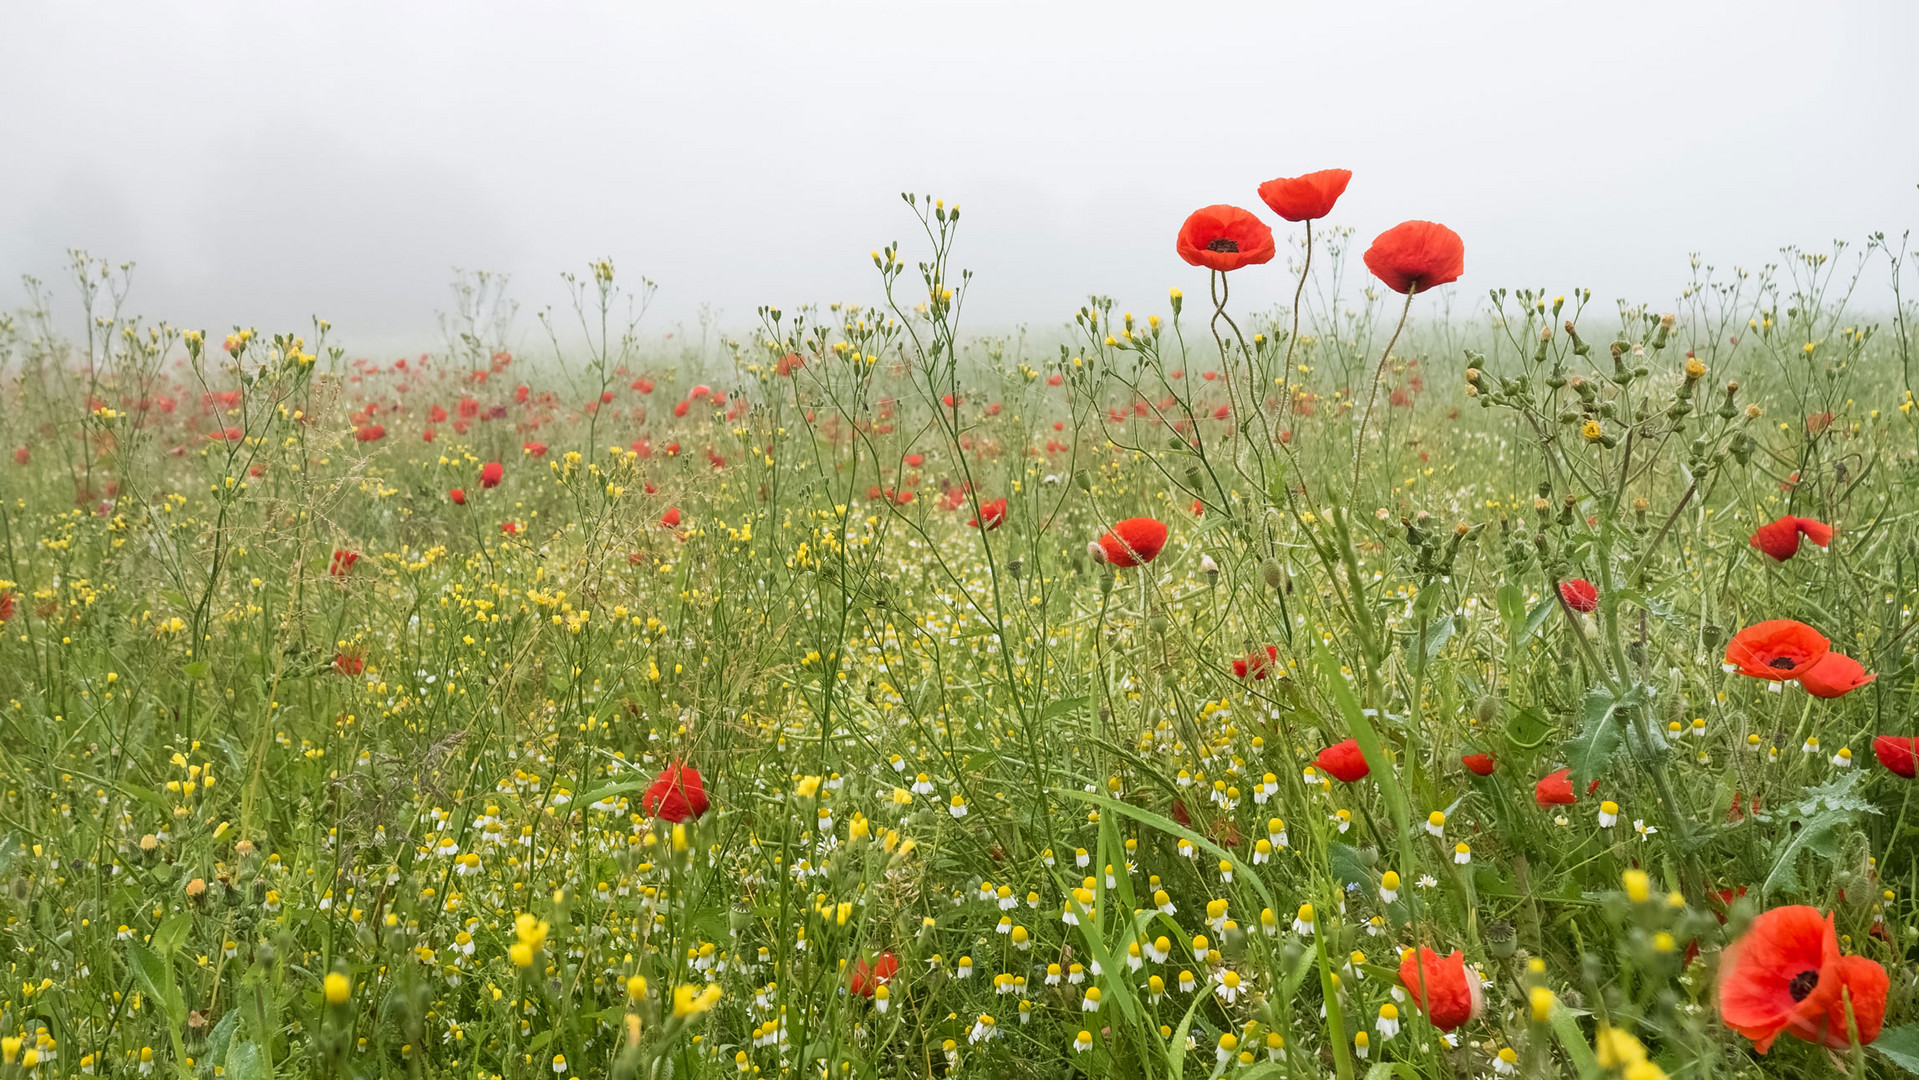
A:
{"points": [[1424, 678]]}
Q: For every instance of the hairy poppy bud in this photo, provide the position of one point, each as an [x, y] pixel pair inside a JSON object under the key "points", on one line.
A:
{"points": [[1269, 569]]}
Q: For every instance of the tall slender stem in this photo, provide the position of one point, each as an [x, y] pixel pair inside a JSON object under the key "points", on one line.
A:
{"points": [[1359, 441]]}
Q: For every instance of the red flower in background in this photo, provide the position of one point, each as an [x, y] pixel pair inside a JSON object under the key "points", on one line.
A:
{"points": [[6, 614], [458, 495], [1835, 675], [1479, 764], [370, 433], [1780, 539], [1418, 255], [788, 364], [511, 528], [867, 977], [1442, 986], [22, 456], [1306, 198], [1777, 649], [1133, 542], [491, 474], [670, 519], [1900, 753], [533, 449], [342, 562], [1345, 761], [1580, 595], [349, 663], [1556, 789], [676, 795], [1257, 664], [1784, 973], [991, 515], [1225, 238]]}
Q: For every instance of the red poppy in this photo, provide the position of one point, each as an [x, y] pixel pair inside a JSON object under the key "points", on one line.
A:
{"points": [[6, 613], [1835, 675], [370, 433], [511, 528], [1777, 649], [1133, 542], [1479, 764], [458, 495], [644, 386], [865, 978], [491, 474], [1225, 238], [1863, 983], [533, 449], [670, 519], [342, 562], [436, 414], [991, 515], [1900, 753], [349, 663], [681, 408], [1344, 760], [1780, 539], [1442, 986], [788, 364], [1580, 595], [677, 794], [1556, 789], [22, 456], [1306, 198], [1418, 255], [1257, 664], [521, 393], [1784, 973]]}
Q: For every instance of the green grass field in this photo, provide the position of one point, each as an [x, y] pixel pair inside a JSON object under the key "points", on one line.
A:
{"points": [[350, 709]]}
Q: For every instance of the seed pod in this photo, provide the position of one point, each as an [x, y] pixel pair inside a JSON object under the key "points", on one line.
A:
{"points": [[1269, 569]]}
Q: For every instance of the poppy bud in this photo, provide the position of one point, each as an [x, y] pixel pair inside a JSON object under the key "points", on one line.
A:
{"points": [[1158, 623], [1083, 480], [1269, 569], [1013, 568], [1106, 582]]}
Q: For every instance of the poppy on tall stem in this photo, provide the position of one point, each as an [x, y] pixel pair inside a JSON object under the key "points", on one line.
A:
{"points": [[1222, 239], [1776, 650], [677, 794], [1449, 994], [1303, 198], [1411, 257]]}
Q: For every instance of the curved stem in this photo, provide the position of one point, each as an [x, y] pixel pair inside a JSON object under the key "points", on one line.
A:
{"points": [[1359, 441], [1292, 339]]}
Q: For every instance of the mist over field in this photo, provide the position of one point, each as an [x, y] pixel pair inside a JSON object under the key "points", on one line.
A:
{"points": [[263, 164]]}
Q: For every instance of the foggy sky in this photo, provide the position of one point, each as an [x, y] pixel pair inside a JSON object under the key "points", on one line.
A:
{"points": [[264, 163]]}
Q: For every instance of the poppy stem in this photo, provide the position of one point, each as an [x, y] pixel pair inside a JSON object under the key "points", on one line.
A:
{"points": [[1359, 441], [1299, 291]]}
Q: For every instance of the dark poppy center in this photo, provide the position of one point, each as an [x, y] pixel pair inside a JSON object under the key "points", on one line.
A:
{"points": [[1782, 663], [1802, 984], [1224, 244]]}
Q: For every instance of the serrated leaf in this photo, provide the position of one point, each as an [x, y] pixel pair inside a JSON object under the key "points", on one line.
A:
{"points": [[1601, 732], [1900, 1046], [1821, 814], [245, 1061]]}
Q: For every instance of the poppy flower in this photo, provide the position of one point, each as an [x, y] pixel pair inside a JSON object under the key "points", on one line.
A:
{"points": [[991, 515], [1784, 973], [6, 613], [1580, 595], [1479, 764], [491, 474], [1133, 542], [511, 528], [1418, 255], [865, 978], [1835, 675], [1442, 986], [370, 433], [1780, 539], [1306, 198], [1777, 649], [1900, 753], [1863, 983], [1225, 238], [670, 519], [458, 495], [677, 794], [349, 663], [342, 562], [1258, 664], [1344, 760], [1556, 789]]}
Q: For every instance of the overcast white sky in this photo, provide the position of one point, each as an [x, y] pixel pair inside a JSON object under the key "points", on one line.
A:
{"points": [[267, 162]]}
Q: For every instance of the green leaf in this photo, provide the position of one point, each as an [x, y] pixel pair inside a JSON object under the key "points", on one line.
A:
{"points": [[1537, 618], [1601, 732], [1369, 745], [156, 977], [245, 1061], [166, 940], [1528, 728], [1900, 1046], [1437, 635], [1821, 815], [1565, 1025], [1512, 606], [1062, 707]]}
